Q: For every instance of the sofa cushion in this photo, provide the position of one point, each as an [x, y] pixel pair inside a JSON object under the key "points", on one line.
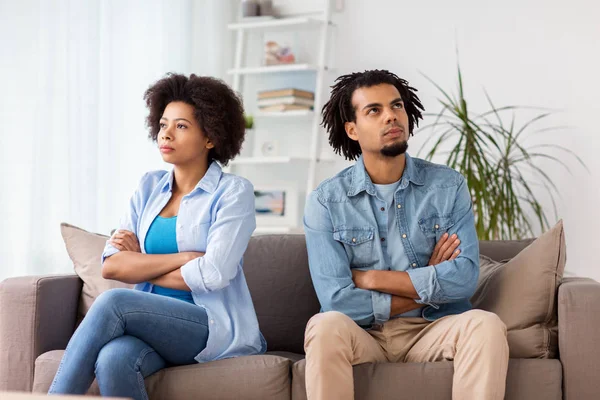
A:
{"points": [[85, 250], [45, 368], [526, 379], [250, 377], [276, 269], [522, 292]]}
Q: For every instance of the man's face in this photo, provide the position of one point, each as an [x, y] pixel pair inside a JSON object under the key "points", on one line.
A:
{"points": [[381, 126]]}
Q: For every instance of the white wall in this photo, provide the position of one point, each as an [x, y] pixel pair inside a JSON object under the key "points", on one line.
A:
{"points": [[542, 53], [537, 53]]}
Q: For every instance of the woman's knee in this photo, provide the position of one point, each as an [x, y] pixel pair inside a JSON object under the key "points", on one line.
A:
{"points": [[109, 299], [114, 357]]}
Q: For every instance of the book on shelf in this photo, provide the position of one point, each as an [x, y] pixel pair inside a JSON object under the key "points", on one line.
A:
{"points": [[267, 94], [285, 100], [285, 107]]}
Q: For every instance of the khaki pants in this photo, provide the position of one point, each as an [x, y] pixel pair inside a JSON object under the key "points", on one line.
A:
{"points": [[475, 340]]}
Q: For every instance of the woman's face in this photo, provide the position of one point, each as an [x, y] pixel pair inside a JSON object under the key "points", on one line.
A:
{"points": [[180, 139]]}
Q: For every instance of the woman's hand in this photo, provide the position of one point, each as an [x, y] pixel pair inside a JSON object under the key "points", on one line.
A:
{"points": [[445, 249], [125, 241]]}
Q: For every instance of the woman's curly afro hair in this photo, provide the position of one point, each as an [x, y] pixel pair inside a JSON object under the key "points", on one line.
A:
{"points": [[218, 111], [339, 110]]}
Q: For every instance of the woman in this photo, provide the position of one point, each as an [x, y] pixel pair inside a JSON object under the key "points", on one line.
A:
{"points": [[181, 242]]}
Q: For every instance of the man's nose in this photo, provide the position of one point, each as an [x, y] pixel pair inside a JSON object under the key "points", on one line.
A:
{"points": [[389, 115]]}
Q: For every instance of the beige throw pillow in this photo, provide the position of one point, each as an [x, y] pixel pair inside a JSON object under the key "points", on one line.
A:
{"points": [[523, 291], [85, 250]]}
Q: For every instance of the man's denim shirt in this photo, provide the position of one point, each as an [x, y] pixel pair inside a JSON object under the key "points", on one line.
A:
{"points": [[346, 228]]}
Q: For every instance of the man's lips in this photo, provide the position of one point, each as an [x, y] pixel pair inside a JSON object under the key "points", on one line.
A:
{"points": [[394, 132], [166, 149]]}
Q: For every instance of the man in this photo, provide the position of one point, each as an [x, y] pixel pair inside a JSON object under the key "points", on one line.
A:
{"points": [[392, 277]]}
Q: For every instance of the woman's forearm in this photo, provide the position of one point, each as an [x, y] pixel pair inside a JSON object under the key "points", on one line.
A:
{"points": [[171, 280], [134, 267]]}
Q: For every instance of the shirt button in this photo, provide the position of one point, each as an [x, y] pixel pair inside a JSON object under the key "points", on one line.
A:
{"points": [[414, 264], [399, 205], [382, 208], [383, 239], [404, 236], [212, 321], [353, 240], [437, 226]]}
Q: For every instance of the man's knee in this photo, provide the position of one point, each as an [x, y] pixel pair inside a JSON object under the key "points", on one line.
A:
{"points": [[329, 325], [487, 324]]}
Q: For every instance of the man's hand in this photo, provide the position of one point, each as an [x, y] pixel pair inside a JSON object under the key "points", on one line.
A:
{"points": [[125, 241], [445, 249]]}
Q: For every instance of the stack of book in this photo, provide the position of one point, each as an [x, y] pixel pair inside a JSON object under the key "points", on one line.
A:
{"points": [[285, 100]]}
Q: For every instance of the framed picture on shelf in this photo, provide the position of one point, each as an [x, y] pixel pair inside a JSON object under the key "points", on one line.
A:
{"points": [[276, 205]]}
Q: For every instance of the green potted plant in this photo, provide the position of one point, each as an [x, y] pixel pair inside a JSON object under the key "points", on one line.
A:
{"points": [[500, 170]]}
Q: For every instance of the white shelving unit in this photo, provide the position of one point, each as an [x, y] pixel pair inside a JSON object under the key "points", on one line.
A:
{"points": [[272, 69], [287, 114], [276, 23], [268, 160], [320, 21]]}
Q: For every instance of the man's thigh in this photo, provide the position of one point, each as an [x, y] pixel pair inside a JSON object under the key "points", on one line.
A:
{"points": [[439, 339], [333, 331]]}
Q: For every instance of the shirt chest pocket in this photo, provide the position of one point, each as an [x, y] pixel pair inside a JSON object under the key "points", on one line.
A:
{"points": [[358, 244], [434, 226]]}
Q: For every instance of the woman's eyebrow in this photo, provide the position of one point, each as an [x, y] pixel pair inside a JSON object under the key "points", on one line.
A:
{"points": [[176, 119]]}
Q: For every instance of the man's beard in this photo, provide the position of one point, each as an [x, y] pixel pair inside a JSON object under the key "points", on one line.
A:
{"points": [[395, 149]]}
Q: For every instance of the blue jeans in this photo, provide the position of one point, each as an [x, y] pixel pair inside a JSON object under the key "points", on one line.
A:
{"points": [[126, 336]]}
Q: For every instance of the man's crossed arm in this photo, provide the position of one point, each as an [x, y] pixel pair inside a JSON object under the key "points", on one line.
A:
{"points": [[398, 283]]}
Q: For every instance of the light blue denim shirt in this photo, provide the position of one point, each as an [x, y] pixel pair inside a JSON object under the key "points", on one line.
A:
{"points": [[216, 218], [346, 228]]}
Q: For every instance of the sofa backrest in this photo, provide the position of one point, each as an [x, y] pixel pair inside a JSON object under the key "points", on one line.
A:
{"points": [[276, 269], [502, 249]]}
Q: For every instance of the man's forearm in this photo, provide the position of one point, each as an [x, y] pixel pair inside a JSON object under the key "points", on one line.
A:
{"points": [[397, 283], [134, 267], [171, 280], [400, 305]]}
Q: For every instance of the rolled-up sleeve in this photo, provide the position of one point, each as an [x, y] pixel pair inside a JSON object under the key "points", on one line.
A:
{"points": [[227, 241], [454, 280], [330, 269]]}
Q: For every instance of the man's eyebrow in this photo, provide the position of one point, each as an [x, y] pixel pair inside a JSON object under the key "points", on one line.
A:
{"points": [[177, 119], [372, 105], [398, 100]]}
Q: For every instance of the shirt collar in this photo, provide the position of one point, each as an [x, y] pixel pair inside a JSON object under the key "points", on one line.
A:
{"points": [[208, 183], [361, 181]]}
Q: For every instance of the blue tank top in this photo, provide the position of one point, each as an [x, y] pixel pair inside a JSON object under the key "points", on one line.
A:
{"points": [[161, 239]]}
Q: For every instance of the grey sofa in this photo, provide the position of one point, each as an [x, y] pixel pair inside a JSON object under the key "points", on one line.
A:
{"points": [[38, 316]]}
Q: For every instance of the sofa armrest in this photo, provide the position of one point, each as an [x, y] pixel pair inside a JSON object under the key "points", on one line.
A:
{"points": [[578, 327], [37, 314]]}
